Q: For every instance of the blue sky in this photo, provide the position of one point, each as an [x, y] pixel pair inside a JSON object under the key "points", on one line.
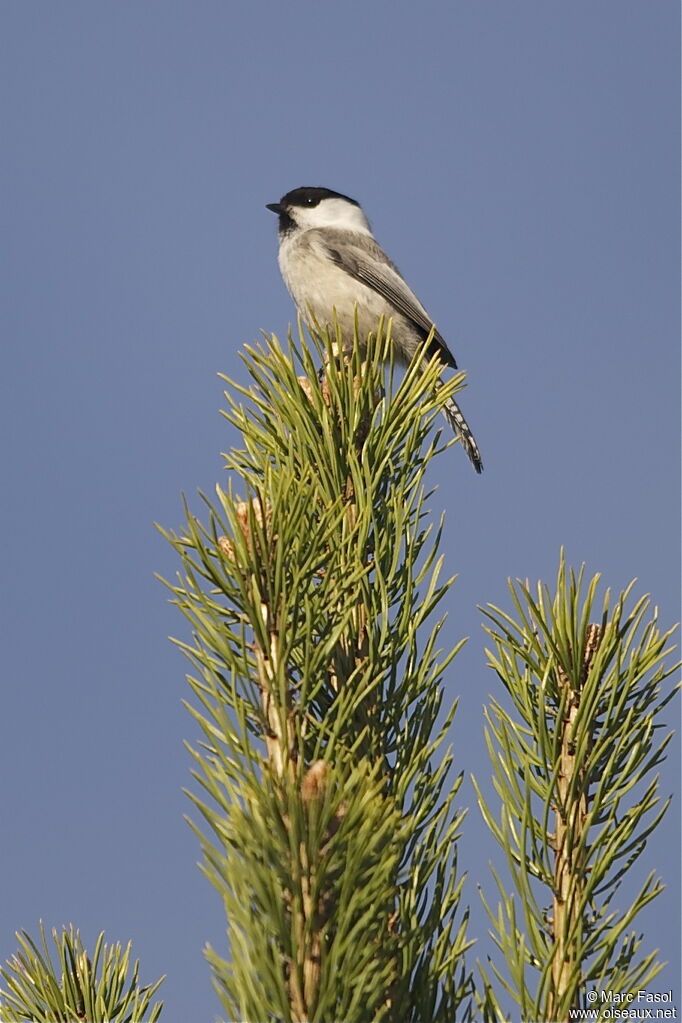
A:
{"points": [[520, 162]]}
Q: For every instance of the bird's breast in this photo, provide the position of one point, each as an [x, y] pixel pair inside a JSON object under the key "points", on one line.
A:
{"points": [[319, 288]]}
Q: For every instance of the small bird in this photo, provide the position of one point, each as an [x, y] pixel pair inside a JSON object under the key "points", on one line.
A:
{"points": [[330, 261]]}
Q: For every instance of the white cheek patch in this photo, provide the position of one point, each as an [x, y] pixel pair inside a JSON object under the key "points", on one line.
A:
{"points": [[332, 213]]}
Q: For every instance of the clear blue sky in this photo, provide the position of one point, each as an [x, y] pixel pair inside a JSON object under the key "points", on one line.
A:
{"points": [[519, 162]]}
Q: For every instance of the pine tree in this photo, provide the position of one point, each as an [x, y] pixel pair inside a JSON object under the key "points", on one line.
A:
{"points": [[328, 803]]}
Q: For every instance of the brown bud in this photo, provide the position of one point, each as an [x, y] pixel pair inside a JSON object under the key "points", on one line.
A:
{"points": [[306, 387], [262, 515], [592, 640], [315, 781], [326, 393], [226, 547]]}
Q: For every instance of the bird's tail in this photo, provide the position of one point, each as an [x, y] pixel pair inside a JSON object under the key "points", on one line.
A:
{"points": [[453, 414]]}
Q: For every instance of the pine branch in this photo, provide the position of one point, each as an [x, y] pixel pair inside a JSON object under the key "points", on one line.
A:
{"points": [[104, 986], [578, 749], [332, 827]]}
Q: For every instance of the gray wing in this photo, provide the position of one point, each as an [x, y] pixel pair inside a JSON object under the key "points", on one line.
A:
{"points": [[367, 262]]}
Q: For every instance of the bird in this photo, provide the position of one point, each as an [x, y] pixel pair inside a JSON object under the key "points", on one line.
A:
{"points": [[332, 265]]}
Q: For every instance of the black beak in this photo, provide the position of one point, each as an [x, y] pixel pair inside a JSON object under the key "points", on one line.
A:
{"points": [[275, 207]]}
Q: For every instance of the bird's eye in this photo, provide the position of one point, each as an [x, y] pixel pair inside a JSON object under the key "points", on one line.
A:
{"points": [[310, 201]]}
